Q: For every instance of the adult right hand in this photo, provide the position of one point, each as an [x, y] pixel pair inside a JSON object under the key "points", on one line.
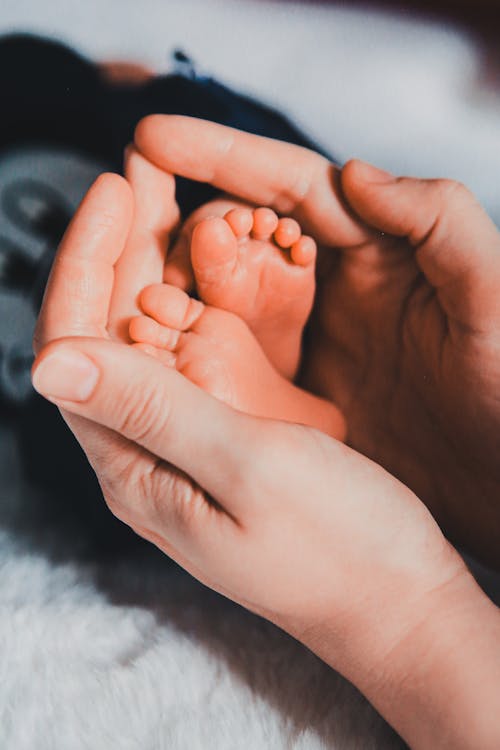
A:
{"points": [[406, 333]]}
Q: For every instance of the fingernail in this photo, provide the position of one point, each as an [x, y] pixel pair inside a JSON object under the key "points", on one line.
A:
{"points": [[374, 174], [67, 375]]}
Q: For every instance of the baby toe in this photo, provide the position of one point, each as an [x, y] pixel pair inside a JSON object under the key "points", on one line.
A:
{"points": [[170, 306], [214, 253], [240, 220], [265, 222], [303, 252], [287, 233]]}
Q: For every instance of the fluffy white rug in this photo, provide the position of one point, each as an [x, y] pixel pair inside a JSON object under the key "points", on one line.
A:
{"points": [[135, 654]]}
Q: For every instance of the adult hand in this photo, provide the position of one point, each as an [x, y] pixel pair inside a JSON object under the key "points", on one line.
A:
{"points": [[279, 517], [115, 246], [406, 333]]}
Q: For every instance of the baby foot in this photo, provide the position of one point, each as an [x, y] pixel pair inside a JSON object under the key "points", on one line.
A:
{"points": [[257, 266], [217, 351]]}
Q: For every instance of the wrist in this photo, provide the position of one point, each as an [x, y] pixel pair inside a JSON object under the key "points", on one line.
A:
{"points": [[441, 684], [429, 664]]}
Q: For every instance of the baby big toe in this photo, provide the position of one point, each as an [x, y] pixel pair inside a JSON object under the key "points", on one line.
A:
{"points": [[170, 306], [240, 220], [214, 252]]}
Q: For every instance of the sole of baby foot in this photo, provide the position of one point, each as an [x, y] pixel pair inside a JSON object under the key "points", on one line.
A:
{"points": [[247, 263], [217, 351], [259, 267]]}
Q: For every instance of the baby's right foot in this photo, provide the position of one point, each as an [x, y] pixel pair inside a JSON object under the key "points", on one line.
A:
{"points": [[259, 267]]}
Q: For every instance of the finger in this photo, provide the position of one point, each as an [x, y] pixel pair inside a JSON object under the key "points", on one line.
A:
{"points": [[293, 180], [457, 245], [158, 501], [156, 215], [125, 390], [183, 524], [78, 293], [113, 457]]}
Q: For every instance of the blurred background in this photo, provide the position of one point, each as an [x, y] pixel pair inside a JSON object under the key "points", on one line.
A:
{"points": [[413, 86]]}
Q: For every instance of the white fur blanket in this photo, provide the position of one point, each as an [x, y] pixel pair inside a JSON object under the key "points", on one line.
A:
{"points": [[135, 654]]}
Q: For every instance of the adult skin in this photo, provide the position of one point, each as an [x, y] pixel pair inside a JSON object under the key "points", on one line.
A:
{"points": [[296, 526], [406, 333]]}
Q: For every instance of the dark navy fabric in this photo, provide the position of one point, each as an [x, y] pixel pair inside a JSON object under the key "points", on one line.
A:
{"points": [[52, 95]]}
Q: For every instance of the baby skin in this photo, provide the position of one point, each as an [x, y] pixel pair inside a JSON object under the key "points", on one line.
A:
{"points": [[241, 341]]}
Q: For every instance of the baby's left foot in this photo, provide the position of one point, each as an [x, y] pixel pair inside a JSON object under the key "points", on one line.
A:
{"points": [[259, 267], [217, 351]]}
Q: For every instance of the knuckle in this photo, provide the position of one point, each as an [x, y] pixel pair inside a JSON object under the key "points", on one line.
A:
{"points": [[117, 485], [154, 494], [189, 507], [173, 501], [301, 178], [133, 489], [145, 413], [452, 192], [173, 340]]}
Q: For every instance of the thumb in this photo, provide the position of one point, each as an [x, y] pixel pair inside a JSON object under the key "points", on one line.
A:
{"points": [[121, 388], [457, 245]]}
